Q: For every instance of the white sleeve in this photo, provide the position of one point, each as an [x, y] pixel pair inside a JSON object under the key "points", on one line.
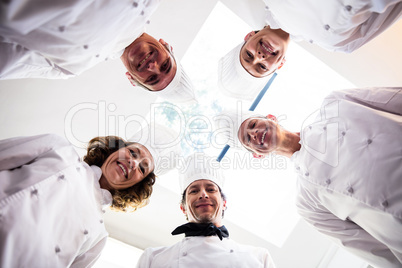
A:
{"points": [[347, 234], [145, 259], [16, 152], [387, 99], [89, 258], [19, 62]]}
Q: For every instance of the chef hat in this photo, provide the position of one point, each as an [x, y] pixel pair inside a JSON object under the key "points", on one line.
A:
{"points": [[201, 167], [234, 81], [227, 126], [163, 143], [180, 89]]}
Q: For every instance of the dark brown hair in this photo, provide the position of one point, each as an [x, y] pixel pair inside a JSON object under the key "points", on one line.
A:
{"points": [[132, 198]]}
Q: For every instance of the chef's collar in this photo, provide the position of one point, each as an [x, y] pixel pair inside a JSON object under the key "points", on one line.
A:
{"points": [[107, 198]]}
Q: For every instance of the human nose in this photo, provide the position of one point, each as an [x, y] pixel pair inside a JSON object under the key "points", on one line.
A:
{"points": [[253, 133], [154, 67], [203, 194]]}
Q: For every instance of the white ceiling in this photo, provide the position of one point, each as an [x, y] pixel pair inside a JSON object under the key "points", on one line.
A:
{"points": [[92, 103]]}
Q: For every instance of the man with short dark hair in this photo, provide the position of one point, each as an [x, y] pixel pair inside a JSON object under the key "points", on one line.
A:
{"points": [[61, 39], [206, 242]]}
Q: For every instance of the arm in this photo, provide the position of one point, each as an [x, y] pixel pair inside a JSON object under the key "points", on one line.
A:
{"points": [[19, 62], [89, 258], [16, 152], [387, 99], [347, 234]]}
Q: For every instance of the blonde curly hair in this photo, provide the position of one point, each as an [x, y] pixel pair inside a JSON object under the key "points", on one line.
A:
{"points": [[129, 199]]}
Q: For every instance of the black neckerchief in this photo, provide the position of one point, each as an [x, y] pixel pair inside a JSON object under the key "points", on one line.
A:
{"points": [[201, 229]]}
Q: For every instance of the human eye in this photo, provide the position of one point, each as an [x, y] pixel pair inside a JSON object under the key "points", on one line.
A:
{"points": [[262, 66], [193, 191], [249, 55], [151, 78], [134, 154], [165, 65], [142, 169]]}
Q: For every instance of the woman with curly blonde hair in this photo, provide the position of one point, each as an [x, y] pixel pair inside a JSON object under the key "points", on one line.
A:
{"points": [[52, 202]]}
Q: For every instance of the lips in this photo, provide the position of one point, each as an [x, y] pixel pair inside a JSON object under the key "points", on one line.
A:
{"points": [[267, 48], [123, 169], [203, 205]]}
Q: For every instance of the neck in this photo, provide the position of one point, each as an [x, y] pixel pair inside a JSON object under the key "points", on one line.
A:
{"points": [[290, 144], [104, 184]]}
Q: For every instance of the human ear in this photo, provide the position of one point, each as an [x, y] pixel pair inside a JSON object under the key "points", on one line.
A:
{"points": [[250, 34], [259, 156], [183, 209], [282, 63], [166, 45], [131, 79], [272, 117]]}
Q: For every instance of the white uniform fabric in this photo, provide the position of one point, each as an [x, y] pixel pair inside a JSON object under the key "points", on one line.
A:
{"points": [[60, 39], [209, 251], [336, 25], [350, 173], [51, 212]]}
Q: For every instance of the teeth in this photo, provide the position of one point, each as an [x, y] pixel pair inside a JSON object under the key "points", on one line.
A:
{"points": [[122, 168], [267, 48], [263, 136], [141, 62]]}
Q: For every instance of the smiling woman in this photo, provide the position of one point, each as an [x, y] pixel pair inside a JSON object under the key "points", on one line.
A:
{"points": [[127, 170]]}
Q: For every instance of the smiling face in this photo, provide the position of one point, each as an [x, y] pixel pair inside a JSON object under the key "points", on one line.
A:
{"points": [[204, 203], [260, 135], [149, 62], [264, 52], [126, 167]]}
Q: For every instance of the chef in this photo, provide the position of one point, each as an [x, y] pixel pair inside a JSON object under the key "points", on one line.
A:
{"points": [[339, 26], [52, 202], [349, 168], [206, 242], [59, 39]]}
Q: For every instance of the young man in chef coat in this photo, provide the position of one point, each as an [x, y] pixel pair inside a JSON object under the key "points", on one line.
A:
{"points": [[206, 242]]}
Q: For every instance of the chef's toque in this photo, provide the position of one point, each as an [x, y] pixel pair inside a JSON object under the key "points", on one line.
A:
{"points": [[200, 166], [163, 143], [227, 125], [234, 81]]}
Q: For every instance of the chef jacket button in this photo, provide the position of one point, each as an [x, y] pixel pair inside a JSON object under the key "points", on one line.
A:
{"points": [[297, 168], [97, 55], [311, 41], [61, 177], [148, 22], [57, 249], [78, 169], [369, 141], [310, 127], [343, 133], [101, 221], [85, 46], [266, 7], [326, 27], [62, 28], [135, 4], [307, 174], [350, 190], [34, 192], [348, 7], [324, 128], [328, 181], [385, 203], [85, 232], [231, 251], [103, 211], [184, 253], [142, 13]]}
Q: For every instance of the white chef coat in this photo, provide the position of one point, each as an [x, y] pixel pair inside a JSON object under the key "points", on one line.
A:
{"points": [[336, 25], [51, 212], [60, 39], [350, 173], [206, 251]]}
